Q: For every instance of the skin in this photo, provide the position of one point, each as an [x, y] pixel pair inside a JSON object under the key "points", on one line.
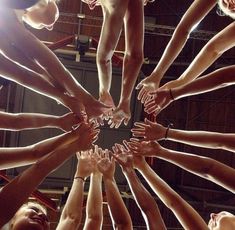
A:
{"points": [[24, 121], [18, 190], [94, 207], [31, 59], [72, 212], [116, 13], [222, 220], [143, 198], [204, 167], [216, 80], [153, 131], [194, 15], [119, 214], [30, 217]]}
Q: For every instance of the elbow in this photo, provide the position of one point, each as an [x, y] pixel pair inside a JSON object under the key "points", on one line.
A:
{"points": [[182, 31], [207, 170], [212, 50], [123, 226]]}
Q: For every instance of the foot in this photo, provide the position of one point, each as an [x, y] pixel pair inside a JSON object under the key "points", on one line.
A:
{"points": [[107, 99], [120, 114], [96, 109]]}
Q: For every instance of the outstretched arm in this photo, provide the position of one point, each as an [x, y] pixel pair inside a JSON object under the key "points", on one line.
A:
{"points": [[18, 190], [21, 156], [154, 131], [119, 213], [204, 167], [185, 213], [220, 43], [72, 212], [22, 121], [195, 13], [94, 207], [143, 198], [218, 79]]}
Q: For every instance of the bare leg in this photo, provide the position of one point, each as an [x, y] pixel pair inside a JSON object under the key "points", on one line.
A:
{"points": [[113, 13], [33, 49], [134, 34]]}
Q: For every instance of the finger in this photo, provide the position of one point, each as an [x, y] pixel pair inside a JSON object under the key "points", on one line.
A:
{"points": [[141, 93], [154, 109], [140, 125], [125, 143], [126, 120], [139, 85], [118, 123], [150, 102], [145, 95], [138, 134], [134, 140]]}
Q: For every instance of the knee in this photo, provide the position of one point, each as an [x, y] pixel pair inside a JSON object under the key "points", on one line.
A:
{"points": [[103, 58], [136, 57]]}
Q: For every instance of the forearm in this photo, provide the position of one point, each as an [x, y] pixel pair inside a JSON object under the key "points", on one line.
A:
{"points": [[203, 139], [117, 207], [220, 43], [186, 215], [21, 156], [72, 212], [94, 207], [205, 167], [22, 121], [192, 17], [215, 80], [145, 201], [18, 190]]}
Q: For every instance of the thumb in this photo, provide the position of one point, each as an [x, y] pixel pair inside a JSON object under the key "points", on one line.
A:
{"points": [[139, 85]]}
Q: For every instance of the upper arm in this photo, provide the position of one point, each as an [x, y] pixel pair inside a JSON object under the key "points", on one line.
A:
{"points": [[195, 13]]}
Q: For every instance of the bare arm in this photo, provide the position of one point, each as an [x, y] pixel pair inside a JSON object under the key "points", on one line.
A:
{"points": [[94, 207], [185, 213], [72, 212], [119, 213], [220, 43], [143, 198], [22, 121], [154, 131], [204, 167], [218, 79], [18, 190], [20, 156], [195, 13]]}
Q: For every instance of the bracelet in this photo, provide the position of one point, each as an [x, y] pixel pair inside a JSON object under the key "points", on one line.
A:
{"points": [[172, 97], [167, 130], [79, 177]]}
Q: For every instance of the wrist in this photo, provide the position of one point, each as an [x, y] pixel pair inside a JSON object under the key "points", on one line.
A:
{"points": [[128, 170], [79, 178]]}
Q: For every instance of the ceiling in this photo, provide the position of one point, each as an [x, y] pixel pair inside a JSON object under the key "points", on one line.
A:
{"points": [[212, 111]]}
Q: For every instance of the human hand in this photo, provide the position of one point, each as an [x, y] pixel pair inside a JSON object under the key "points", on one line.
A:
{"points": [[159, 100], [148, 130], [123, 156], [143, 148], [96, 153], [96, 110], [88, 134], [120, 114], [139, 162], [68, 121], [146, 86], [106, 165], [86, 164]]}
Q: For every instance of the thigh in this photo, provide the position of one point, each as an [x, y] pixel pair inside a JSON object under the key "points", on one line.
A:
{"points": [[113, 13], [134, 26]]}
